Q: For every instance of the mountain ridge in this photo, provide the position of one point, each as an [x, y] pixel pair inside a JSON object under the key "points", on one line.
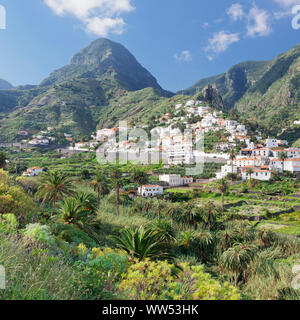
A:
{"points": [[263, 92], [83, 95], [105, 58], [5, 85]]}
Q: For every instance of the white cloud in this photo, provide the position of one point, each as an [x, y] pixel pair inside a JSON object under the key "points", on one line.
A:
{"points": [[184, 56], [258, 22], [286, 11], [99, 16], [287, 3], [220, 42], [236, 12]]}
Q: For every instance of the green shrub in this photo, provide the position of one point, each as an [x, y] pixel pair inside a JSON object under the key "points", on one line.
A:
{"points": [[8, 223], [101, 271], [163, 281], [36, 231]]}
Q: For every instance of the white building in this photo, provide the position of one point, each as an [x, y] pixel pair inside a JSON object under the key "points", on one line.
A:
{"points": [[225, 170], [208, 121], [261, 152], [258, 174], [230, 124], [150, 191], [190, 103], [248, 162], [241, 128], [33, 142], [271, 143], [187, 180], [292, 165], [106, 134], [33, 172], [178, 153], [174, 180]]}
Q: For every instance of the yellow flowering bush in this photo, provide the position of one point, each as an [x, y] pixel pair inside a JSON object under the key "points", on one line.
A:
{"points": [[8, 223], [14, 200], [148, 280]]}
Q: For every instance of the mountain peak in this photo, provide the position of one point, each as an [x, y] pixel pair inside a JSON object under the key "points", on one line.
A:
{"points": [[97, 52], [106, 60], [4, 85]]}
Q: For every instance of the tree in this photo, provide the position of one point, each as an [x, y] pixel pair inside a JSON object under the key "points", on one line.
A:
{"points": [[232, 156], [2, 160], [141, 243], [165, 230], [118, 182], [223, 187], [282, 158], [249, 173], [209, 214], [87, 201], [100, 185], [238, 258], [85, 174], [54, 186], [205, 239], [71, 211], [159, 206], [139, 176]]}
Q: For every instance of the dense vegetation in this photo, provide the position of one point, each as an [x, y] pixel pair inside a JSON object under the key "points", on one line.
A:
{"points": [[92, 240]]}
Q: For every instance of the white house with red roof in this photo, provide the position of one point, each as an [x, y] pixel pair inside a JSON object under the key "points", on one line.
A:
{"points": [[290, 164], [262, 152], [290, 152], [246, 162], [33, 172]]}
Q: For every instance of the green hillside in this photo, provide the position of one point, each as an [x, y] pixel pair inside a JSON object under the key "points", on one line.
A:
{"points": [[265, 92], [102, 84]]}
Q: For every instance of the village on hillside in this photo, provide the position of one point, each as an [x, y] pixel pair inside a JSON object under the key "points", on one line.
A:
{"points": [[249, 157], [174, 143]]}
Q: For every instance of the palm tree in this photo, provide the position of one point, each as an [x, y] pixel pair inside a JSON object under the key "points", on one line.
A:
{"points": [[238, 258], [100, 185], [54, 186], [187, 239], [159, 206], [209, 214], [232, 156], [165, 230], [249, 173], [223, 187], [141, 243], [118, 182], [71, 211], [87, 201], [282, 157], [139, 176], [205, 239]]}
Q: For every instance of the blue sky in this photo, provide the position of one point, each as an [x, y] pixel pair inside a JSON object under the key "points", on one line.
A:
{"points": [[178, 41]]}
